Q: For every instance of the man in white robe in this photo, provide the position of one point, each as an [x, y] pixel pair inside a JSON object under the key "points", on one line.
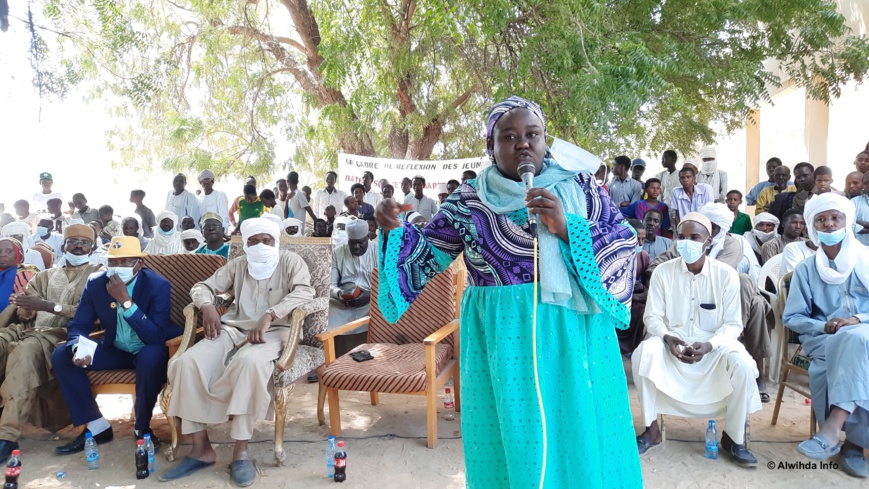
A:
{"points": [[350, 283], [692, 364], [229, 373], [828, 305]]}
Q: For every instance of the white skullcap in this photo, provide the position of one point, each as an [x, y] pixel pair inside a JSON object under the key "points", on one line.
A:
{"points": [[357, 229], [76, 221], [718, 214], [259, 225], [274, 218], [169, 215], [192, 234], [442, 189], [707, 152], [817, 204], [766, 217], [292, 221], [411, 216], [699, 219]]}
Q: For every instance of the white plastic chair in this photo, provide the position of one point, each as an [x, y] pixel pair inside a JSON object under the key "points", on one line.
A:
{"points": [[771, 270]]}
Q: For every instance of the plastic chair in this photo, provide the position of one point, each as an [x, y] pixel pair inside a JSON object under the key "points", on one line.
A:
{"points": [[797, 364]]}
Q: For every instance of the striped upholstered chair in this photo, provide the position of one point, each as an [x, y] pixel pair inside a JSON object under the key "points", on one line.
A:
{"points": [[417, 355]]}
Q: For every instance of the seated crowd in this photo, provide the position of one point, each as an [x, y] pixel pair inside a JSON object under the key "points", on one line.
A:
{"points": [[698, 338]]}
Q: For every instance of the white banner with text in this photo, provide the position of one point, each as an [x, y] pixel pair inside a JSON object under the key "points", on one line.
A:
{"points": [[436, 172]]}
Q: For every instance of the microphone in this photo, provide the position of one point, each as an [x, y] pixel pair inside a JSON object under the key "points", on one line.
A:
{"points": [[526, 173]]}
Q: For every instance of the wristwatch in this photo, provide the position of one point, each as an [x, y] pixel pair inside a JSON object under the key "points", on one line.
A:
{"points": [[127, 304], [58, 308]]}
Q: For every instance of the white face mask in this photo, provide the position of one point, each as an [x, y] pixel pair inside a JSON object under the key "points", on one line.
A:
{"points": [[763, 237], [126, 274], [262, 260], [76, 260], [690, 251], [709, 166]]}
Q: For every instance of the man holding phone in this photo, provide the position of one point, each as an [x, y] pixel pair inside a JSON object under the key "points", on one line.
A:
{"points": [[693, 365]]}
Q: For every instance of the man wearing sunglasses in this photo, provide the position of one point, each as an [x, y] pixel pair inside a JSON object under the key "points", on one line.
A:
{"points": [[33, 326], [132, 304]]}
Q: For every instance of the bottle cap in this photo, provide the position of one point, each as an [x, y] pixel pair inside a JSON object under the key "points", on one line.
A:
{"points": [[16, 453], [448, 390], [140, 442], [88, 434], [331, 438], [341, 443], [712, 421], [146, 436]]}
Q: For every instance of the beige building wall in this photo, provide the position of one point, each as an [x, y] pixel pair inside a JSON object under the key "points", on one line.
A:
{"points": [[797, 129]]}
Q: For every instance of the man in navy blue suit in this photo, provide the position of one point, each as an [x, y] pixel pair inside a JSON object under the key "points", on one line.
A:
{"points": [[132, 303]]}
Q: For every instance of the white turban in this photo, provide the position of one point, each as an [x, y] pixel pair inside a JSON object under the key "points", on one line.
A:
{"points": [[766, 217], [262, 260], [169, 215], [260, 225], [206, 174], [193, 234], [16, 228], [442, 189], [162, 244], [718, 214], [853, 256], [274, 218], [292, 221], [707, 152]]}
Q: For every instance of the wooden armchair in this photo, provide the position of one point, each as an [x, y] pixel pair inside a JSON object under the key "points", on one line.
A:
{"points": [[300, 356], [182, 271], [417, 355], [797, 364]]}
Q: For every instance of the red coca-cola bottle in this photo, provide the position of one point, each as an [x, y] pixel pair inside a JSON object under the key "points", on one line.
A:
{"points": [[340, 463], [13, 470]]}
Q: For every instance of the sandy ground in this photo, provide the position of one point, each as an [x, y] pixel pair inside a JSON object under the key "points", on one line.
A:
{"points": [[386, 448]]}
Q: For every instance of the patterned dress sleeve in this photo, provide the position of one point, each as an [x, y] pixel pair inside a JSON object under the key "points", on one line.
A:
{"points": [[411, 257], [608, 274]]}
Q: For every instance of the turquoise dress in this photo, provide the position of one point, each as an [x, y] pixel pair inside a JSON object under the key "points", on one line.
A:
{"points": [[591, 441]]}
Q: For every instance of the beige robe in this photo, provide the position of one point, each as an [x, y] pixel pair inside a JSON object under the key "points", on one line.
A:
{"points": [[26, 347], [204, 389]]}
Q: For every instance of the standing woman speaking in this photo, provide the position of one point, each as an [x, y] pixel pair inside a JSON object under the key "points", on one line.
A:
{"points": [[586, 266]]}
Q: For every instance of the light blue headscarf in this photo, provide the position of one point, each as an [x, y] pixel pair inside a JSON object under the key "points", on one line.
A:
{"points": [[504, 196]]}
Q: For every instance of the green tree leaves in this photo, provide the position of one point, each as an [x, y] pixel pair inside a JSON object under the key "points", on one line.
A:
{"points": [[219, 83]]}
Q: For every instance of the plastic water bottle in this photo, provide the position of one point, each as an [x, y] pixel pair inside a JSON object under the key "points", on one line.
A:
{"points": [[449, 404], [711, 441], [92, 453], [149, 447], [331, 449]]}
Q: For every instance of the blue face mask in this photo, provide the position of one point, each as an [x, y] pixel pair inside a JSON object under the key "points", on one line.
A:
{"points": [[690, 251], [125, 273], [639, 249], [41, 231], [166, 233], [832, 239]]}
